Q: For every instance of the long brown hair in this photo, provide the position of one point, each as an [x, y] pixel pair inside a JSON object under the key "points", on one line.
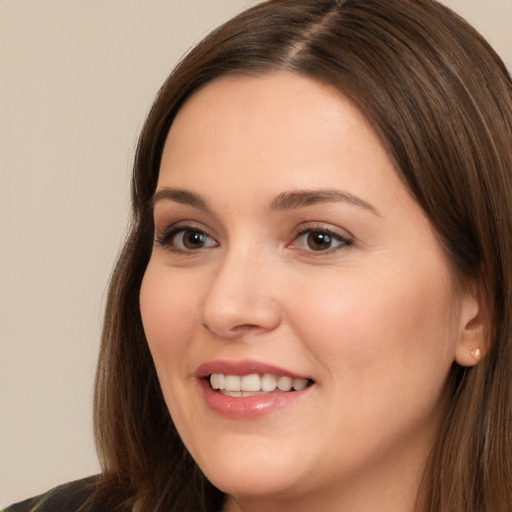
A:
{"points": [[440, 100]]}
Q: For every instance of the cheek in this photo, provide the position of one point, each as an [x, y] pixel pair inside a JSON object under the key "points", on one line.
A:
{"points": [[370, 330], [384, 347], [168, 316]]}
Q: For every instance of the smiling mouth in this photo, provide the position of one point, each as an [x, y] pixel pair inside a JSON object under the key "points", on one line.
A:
{"points": [[254, 384]]}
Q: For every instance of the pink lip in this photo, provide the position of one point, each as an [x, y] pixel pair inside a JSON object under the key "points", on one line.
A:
{"points": [[250, 407], [244, 367]]}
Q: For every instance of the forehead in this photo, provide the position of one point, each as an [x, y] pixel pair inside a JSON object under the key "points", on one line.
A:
{"points": [[267, 127], [280, 95]]}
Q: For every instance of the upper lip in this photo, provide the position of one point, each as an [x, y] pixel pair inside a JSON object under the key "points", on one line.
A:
{"points": [[244, 367]]}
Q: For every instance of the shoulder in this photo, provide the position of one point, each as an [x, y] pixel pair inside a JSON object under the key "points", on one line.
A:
{"points": [[71, 497]]}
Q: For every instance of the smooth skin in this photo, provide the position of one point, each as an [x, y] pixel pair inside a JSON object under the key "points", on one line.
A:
{"points": [[351, 289]]}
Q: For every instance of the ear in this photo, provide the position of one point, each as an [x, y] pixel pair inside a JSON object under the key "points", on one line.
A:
{"points": [[472, 343]]}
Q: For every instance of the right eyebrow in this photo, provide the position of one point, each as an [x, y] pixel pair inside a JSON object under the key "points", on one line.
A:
{"points": [[302, 198], [180, 196]]}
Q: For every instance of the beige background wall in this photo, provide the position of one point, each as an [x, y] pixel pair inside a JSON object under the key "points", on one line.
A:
{"points": [[76, 79]]}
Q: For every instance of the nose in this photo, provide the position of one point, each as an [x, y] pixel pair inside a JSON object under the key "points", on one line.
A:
{"points": [[241, 297]]}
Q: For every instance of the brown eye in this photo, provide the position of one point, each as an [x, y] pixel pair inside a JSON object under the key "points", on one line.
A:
{"points": [[185, 239], [191, 239], [319, 240]]}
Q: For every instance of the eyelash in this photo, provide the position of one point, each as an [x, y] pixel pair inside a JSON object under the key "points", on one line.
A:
{"points": [[168, 237], [344, 242]]}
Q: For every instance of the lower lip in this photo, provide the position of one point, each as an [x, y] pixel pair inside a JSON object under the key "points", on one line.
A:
{"points": [[249, 407]]}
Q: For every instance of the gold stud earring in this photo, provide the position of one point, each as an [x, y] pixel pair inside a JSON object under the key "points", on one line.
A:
{"points": [[475, 353]]}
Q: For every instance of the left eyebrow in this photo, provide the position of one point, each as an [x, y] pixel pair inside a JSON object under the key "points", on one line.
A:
{"points": [[301, 198], [180, 196]]}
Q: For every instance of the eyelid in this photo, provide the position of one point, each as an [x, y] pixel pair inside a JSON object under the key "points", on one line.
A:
{"points": [[341, 235], [165, 237]]}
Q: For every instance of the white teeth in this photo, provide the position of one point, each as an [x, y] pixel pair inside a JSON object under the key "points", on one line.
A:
{"points": [[299, 384], [250, 382], [218, 381], [232, 383], [268, 382], [239, 393], [248, 385], [284, 383]]}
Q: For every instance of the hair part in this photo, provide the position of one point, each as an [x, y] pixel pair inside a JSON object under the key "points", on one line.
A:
{"points": [[440, 100]]}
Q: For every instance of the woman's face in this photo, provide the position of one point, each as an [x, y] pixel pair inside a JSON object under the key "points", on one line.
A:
{"points": [[289, 253]]}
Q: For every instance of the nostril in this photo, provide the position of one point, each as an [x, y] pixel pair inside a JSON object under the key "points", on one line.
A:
{"points": [[247, 327]]}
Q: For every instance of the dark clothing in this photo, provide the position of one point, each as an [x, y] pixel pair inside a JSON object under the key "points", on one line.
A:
{"points": [[71, 497]]}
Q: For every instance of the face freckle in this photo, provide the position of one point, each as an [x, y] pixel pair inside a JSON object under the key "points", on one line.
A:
{"points": [[369, 317]]}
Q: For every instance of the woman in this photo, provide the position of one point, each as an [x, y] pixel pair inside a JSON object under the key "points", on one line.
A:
{"points": [[312, 310]]}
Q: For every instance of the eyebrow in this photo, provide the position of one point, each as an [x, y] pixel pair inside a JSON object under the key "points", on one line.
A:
{"points": [[180, 196], [284, 201], [301, 198]]}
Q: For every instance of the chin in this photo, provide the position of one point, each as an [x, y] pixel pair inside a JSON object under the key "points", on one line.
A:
{"points": [[253, 474], [255, 485]]}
